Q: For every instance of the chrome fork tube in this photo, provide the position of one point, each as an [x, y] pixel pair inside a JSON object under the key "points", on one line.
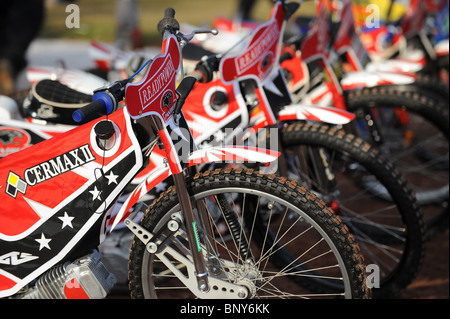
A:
{"points": [[152, 124], [191, 231]]}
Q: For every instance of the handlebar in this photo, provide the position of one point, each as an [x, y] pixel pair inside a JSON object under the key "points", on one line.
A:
{"points": [[168, 23], [203, 73], [89, 110], [205, 69], [183, 90], [105, 101]]}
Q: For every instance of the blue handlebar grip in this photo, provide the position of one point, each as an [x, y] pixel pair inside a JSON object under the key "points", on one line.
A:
{"points": [[107, 102], [102, 103], [78, 116], [87, 110]]}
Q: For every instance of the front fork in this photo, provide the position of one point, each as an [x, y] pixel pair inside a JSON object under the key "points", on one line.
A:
{"points": [[197, 265], [200, 265], [191, 231], [153, 243], [152, 124]]}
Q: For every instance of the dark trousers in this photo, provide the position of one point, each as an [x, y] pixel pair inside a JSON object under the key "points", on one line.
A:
{"points": [[20, 23], [245, 8]]}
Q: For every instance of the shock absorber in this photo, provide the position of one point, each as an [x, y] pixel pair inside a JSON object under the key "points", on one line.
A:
{"points": [[234, 226]]}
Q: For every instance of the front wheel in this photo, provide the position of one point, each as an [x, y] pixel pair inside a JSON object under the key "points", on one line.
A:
{"points": [[270, 239]]}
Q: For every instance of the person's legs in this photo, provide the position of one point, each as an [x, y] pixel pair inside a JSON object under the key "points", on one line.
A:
{"points": [[245, 8], [21, 22], [127, 20]]}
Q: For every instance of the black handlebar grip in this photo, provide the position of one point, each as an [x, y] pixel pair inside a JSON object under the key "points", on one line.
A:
{"points": [[169, 13], [204, 70], [200, 75], [290, 9], [89, 110], [183, 90], [168, 22]]}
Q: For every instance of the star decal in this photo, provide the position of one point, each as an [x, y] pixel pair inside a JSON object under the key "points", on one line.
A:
{"points": [[67, 220], [95, 194], [43, 242], [161, 187], [205, 145], [112, 178], [219, 136]]}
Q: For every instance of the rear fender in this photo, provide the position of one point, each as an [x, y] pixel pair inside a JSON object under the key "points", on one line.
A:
{"points": [[397, 65], [318, 113], [228, 154], [442, 48], [363, 79]]}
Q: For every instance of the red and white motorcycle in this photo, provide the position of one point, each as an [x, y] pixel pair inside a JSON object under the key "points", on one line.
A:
{"points": [[57, 195], [414, 40], [394, 110], [250, 93]]}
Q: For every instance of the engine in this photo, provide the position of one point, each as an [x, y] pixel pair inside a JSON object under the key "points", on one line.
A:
{"points": [[85, 278]]}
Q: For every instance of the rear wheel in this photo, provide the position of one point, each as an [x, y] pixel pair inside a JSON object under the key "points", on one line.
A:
{"points": [[365, 189], [411, 128]]}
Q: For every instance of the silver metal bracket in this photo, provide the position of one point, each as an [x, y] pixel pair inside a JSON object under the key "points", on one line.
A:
{"points": [[221, 288], [144, 235], [173, 225]]}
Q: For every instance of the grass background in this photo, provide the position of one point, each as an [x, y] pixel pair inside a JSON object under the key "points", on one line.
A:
{"points": [[97, 17]]}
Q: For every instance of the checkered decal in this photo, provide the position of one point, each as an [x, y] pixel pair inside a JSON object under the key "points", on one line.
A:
{"points": [[14, 184]]}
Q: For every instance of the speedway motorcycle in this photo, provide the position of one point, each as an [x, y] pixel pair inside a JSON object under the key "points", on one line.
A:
{"points": [[406, 121], [419, 39], [264, 88], [233, 107], [355, 50], [56, 197], [247, 94]]}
